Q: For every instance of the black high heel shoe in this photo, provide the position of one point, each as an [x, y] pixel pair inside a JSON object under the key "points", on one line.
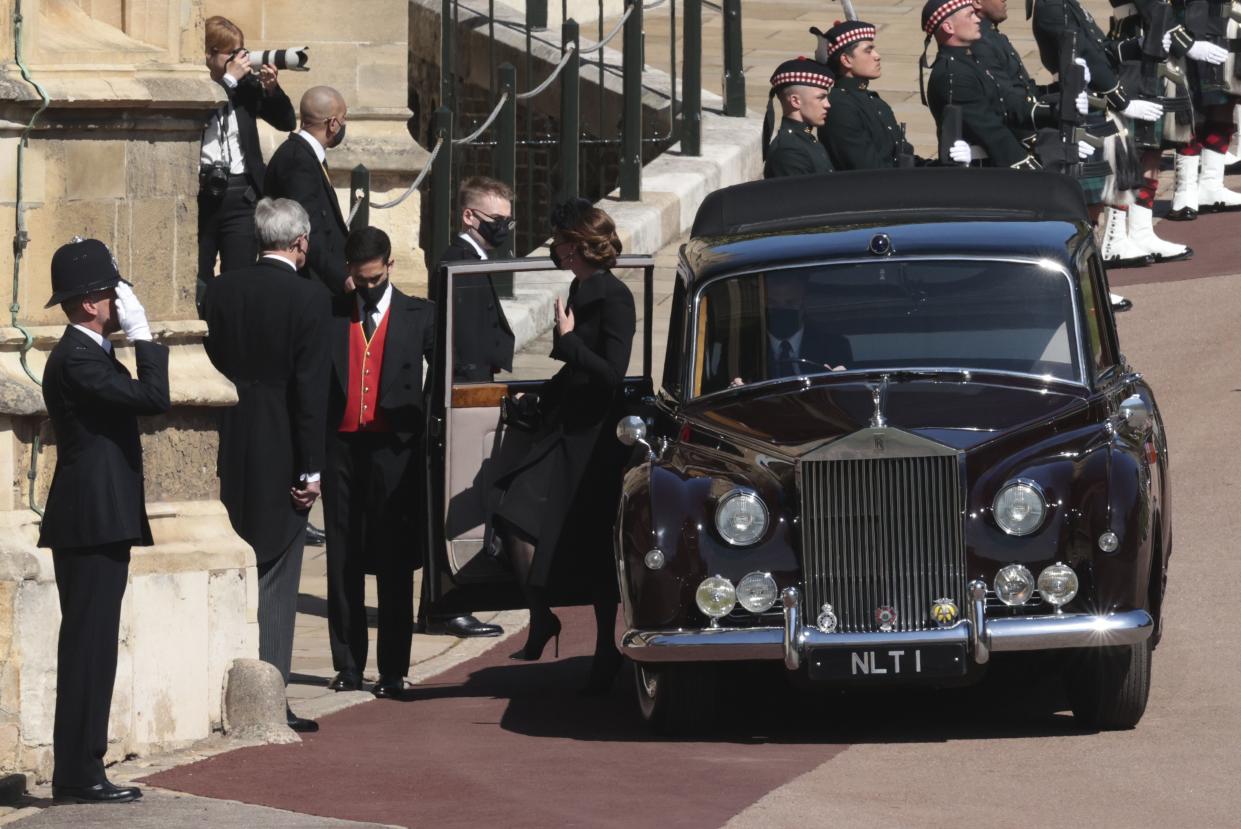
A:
{"points": [[604, 667], [541, 631]]}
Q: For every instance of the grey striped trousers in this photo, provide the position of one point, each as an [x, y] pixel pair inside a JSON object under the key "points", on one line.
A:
{"points": [[278, 583]]}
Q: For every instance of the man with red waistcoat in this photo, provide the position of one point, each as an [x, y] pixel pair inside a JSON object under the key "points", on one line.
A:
{"points": [[379, 339]]}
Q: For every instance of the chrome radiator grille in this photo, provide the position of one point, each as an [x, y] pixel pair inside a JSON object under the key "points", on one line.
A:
{"points": [[885, 532]]}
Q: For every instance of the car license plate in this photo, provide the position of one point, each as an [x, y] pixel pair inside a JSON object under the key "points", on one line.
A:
{"points": [[887, 663]]}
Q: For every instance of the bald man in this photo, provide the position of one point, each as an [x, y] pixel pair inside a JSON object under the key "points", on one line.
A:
{"points": [[298, 171]]}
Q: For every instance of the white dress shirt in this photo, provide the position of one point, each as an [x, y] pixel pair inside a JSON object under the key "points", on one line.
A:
{"points": [[229, 150], [794, 342], [482, 254], [381, 307], [320, 153], [99, 339]]}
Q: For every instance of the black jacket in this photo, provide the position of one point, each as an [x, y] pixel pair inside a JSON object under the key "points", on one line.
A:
{"points": [[861, 132], [294, 172], [795, 151], [544, 492], [958, 78], [251, 103], [268, 333], [1053, 20], [1027, 104], [97, 495], [410, 339], [482, 338]]}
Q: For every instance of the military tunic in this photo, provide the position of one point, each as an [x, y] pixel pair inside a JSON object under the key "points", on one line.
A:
{"points": [[862, 132], [1025, 101], [1053, 19], [958, 78], [795, 151]]}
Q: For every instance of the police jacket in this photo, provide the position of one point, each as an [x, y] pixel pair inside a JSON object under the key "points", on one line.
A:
{"points": [[861, 131], [97, 495], [795, 151], [958, 78]]}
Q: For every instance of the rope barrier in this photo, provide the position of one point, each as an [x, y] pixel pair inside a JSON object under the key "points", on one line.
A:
{"points": [[426, 169], [653, 5], [568, 53], [457, 142], [620, 25]]}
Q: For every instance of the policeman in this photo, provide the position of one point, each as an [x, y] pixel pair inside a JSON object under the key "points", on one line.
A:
{"points": [[958, 78], [96, 509], [863, 133], [802, 86]]}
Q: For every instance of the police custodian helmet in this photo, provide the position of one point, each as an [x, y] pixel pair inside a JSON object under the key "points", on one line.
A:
{"points": [[81, 267]]}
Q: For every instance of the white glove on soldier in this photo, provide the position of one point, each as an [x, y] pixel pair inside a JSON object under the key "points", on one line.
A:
{"points": [[1166, 43], [131, 314], [1084, 150], [1082, 102], [1082, 63], [960, 152], [1143, 110], [1207, 52]]}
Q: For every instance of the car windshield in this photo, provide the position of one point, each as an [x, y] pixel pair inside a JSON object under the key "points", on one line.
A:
{"points": [[886, 314]]}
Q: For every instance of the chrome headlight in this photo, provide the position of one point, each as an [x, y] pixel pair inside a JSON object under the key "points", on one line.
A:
{"points": [[741, 518], [1014, 584], [757, 592], [1057, 584], [1019, 508], [716, 597]]}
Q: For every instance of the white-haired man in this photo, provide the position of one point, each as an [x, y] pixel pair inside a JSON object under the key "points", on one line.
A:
{"points": [[268, 333]]}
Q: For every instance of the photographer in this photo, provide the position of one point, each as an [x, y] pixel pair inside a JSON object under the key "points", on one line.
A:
{"points": [[231, 168]]}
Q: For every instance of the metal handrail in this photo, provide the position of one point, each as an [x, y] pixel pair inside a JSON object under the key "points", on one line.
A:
{"points": [[568, 53], [619, 26]]}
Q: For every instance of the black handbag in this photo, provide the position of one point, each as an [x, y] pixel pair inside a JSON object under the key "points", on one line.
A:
{"points": [[522, 412]]}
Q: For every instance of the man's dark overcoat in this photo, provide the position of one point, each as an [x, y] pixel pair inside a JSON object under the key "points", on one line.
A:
{"points": [[482, 338], [294, 172], [268, 333]]}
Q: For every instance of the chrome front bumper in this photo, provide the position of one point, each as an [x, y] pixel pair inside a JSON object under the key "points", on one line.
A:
{"points": [[982, 636]]}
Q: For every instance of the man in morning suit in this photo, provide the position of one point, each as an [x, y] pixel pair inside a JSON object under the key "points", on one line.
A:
{"points": [[802, 85], [482, 338], [371, 485], [298, 171], [267, 331], [231, 168], [96, 509], [795, 345]]}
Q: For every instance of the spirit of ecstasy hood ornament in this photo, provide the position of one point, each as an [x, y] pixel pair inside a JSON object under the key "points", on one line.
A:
{"points": [[877, 393]]}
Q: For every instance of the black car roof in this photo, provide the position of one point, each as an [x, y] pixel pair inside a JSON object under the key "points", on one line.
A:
{"points": [[889, 197]]}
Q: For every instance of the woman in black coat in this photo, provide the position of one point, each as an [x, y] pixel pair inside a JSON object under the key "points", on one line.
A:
{"points": [[552, 484]]}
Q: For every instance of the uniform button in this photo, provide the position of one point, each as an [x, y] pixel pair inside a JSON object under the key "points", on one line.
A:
{"points": [[368, 354], [364, 407], [368, 371], [366, 389]]}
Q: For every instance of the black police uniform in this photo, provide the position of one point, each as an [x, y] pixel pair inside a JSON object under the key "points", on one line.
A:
{"points": [[795, 151], [862, 132], [958, 78]]}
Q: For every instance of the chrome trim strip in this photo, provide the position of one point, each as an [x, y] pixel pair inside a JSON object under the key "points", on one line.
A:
{"points": [[979, 628], [1029, 633], [792, 635]]}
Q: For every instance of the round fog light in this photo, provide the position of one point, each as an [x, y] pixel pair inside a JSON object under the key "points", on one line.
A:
{"points": [[1014, 584], [1057, 584], [654, 560], [757, 592], [716, 597]]}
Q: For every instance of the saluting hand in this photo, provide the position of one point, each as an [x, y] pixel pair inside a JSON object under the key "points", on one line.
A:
{"points": [[564, 318]]}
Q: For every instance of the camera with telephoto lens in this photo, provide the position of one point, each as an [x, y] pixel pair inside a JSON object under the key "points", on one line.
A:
{"points": [[213, 178], [294, 59]]}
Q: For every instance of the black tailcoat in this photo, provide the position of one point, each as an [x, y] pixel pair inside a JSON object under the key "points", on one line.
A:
{"points": [[544, 491], [268, 333], [482, 338], [97, 495], [294, 172]]}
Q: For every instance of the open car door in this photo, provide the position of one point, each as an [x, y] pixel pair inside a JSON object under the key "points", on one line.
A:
{"points": [[469, 446]]}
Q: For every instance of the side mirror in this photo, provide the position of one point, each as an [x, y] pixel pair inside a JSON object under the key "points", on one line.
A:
{"points": [[1136, 414], [632, 430]]}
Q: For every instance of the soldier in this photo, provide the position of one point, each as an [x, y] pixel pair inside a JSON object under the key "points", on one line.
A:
{"points": [[863, 133], [958, 78], [802, 86]]}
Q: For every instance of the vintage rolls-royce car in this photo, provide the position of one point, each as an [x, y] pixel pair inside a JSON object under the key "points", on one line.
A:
{"points": [[895, 435]]}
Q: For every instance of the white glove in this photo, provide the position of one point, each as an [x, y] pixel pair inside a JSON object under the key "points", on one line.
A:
{"points": [[1166, 43], [1084, 150], [132, 316], [1082, 103], [1082, 63], [1143, 110], [960, 152], [1207, 52]]}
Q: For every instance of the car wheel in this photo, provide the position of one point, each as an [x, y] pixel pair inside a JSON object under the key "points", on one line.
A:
{"points": [[677, 700], [1108, 687]]}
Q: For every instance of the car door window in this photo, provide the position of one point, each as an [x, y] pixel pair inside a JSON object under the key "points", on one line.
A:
{"points": [[1096, 308]]}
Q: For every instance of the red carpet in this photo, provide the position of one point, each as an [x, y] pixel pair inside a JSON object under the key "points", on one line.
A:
{"points": [[498, 742]]}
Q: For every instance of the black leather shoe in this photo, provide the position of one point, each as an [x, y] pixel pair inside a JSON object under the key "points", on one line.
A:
{"points": [[463, 626], [300, 724], [389, 688], [315, 537], [346, 681], [104, 792]]}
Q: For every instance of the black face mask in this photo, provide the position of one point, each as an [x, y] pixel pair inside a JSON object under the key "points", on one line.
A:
{"points": [[371, 294], [494, 232], [338, 137], [783, 322]]}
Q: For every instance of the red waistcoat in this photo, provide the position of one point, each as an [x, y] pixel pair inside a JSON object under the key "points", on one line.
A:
{"points": [[362, 412]]}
